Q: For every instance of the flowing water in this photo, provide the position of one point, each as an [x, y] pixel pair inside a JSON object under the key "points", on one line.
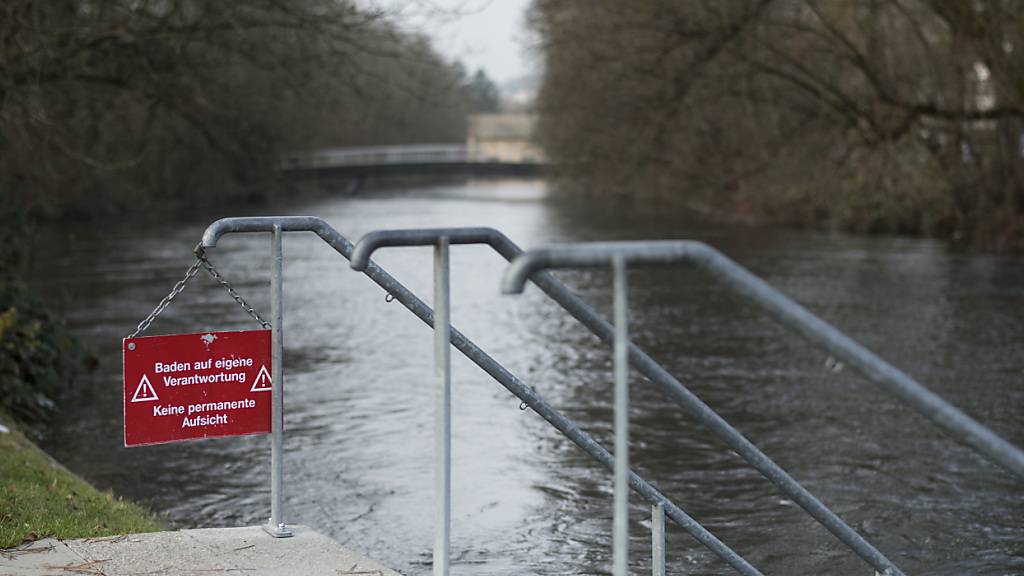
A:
{"points": [[525, 499]]}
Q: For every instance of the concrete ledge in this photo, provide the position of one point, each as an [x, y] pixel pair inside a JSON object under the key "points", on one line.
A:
{"points": [[249, 551]]}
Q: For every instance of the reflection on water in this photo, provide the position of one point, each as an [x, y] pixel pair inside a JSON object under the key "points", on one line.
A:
{"points": [[359, 419]]}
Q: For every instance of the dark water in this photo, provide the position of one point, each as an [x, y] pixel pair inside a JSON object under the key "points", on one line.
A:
{"points": [[527, 501]]}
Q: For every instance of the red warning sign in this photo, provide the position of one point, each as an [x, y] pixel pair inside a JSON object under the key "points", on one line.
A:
{"points": [[189, 386]]}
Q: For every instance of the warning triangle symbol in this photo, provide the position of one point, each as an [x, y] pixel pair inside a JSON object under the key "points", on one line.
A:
{"points": [[263, 382], [145, 391]]}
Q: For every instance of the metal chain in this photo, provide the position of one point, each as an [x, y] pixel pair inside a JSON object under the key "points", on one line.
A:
{"points": [[201, 255], [201, 260]]}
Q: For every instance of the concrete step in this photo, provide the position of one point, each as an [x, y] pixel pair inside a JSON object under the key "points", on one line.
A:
{"points": [[245, 551]]}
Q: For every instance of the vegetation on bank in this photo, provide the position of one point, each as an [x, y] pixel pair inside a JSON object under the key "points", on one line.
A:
{"points": [[125, 107], [889, 116], [112, 106], [38, 361], [122, 107], [38, 357], [39, 498]]}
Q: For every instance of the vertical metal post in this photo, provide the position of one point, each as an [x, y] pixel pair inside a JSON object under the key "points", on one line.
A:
{"points": [[442, 409], [658, 539], [620, 536], [276, 526]]}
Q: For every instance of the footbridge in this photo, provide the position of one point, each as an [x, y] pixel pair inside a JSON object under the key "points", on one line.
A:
{"points": [[412, 159]]}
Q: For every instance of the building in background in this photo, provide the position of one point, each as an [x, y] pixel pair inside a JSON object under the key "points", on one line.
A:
{"points": [[503, 137]]}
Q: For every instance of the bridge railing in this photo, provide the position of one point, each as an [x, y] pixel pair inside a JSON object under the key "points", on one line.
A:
{"points": [[384, 156]]}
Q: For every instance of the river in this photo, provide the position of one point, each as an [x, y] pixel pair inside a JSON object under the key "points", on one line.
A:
{"points": [[525, 499]]}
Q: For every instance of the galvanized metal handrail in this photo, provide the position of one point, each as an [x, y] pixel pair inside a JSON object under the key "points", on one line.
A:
{"points": [[513, 384], [442, 368], [603, 330], [619, 254], [647, 366], [620, 361], [441, 238], [787, 312], [659, 376], [276, 525]]}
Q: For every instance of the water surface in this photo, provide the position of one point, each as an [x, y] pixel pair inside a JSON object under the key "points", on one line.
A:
{"points": [[525, 499]]}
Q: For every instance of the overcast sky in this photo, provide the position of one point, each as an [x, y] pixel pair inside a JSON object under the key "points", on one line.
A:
{"points": [[488, 34]]}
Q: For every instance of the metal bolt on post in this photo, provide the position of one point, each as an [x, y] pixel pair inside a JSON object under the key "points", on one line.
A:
{"points": [[276, 526]]}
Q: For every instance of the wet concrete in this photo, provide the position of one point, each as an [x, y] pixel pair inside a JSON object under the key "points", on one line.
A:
{"points": [[248, 550]]}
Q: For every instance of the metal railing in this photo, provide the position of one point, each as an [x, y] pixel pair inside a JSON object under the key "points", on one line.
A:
{"points": [[620, 254], [513, 384], [786, 312], [395, 155], [531, 264], [381, 155], [442, 366]]}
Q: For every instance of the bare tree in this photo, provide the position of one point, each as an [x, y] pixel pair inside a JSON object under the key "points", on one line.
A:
{"points": [[875, 115], [111, 103]]}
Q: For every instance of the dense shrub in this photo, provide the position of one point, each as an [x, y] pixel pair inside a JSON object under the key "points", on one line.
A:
{"points": [[38, 358]]}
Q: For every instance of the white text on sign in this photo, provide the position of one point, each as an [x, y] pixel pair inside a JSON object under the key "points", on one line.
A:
{"points": [[226, 363], [190, 410]]}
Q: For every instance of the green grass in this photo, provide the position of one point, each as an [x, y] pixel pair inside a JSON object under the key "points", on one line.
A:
{"points": [[40, 498]]}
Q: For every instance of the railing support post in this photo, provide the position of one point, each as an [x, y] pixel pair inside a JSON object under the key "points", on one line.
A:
{"points": [[442, 409], [276, 526], [440, 321], [620, 540], [359, 257], [658, 539]]}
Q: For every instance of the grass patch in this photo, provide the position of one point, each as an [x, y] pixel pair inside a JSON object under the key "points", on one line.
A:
{"points": [[40, 498]]}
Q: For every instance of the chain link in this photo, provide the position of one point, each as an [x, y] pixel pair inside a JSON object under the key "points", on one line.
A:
{"points": [[201, 261], [230, 289]]}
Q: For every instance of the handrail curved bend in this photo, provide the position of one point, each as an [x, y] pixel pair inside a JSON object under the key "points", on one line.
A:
{"points": [[513, 384], [785, 311], [740, 280]]}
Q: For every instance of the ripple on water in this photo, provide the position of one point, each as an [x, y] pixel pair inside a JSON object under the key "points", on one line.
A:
{"points": [[526, 500]]}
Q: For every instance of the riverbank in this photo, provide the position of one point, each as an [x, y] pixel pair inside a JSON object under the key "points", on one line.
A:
{"points": [[40, 498], [190, 552], [39, 363]]}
